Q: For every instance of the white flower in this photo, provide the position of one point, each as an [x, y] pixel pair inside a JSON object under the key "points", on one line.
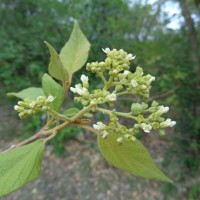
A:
{"points": [[79, 90], [32, 104], [41, 98], [99, 126], [126, 72], [134, 83], [73, 89], [170, 122], [84, 78], [111, 97], [146, 127], [130, 137], [50, 98], [16, 107], [106, 50], [167, 123], [104, 134], [130, 56], [163, 109], [152, 79], [119, 140]]}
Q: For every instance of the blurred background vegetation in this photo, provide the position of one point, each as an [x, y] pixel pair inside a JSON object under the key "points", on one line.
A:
{"points": [[164, 34]]}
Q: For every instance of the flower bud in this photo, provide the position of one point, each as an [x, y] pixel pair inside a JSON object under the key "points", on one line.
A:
{"points": [[136, 108], [118, 88], [119, 140], [130, 137], [45, 108], [152, 109], [130, 57], [32, 104], [108, 61], [102, 65], [93, 69], [29, 112], [167, 123], [88, 66], [84, 80], [146, 127], [21, 103], [115, 64], [126, 73], [143, 87], [50, 98], [111, 97], [104, 134], [162, 110], [123, 129], [16, 107], [134, 83], [41, 99], [22, 115], [99, 126], [112, 125], [101, 100], [139, 71], [154, 104], [106, 50], [155, 125], [140, 118]]}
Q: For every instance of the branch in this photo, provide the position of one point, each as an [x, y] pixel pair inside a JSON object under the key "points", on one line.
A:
{"points": [[122, 114]]}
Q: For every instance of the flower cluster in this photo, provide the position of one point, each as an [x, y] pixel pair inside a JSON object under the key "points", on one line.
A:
{"points": [[117, 65], [119, 80], [150, 117], [115, 127], [112, 127], [115, 62], [146, 117], [98, 96], [130, 133], [28, 107], [134, 83]]}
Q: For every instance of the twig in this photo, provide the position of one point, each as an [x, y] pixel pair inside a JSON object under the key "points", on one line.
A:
{"points": [[34, 137], [89, 128]]}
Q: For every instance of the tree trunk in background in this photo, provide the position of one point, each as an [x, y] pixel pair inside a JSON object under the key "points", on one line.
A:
{"points": [[192, 35], [189, 95]]}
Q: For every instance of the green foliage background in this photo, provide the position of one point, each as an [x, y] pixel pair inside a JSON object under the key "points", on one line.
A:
{"points": [[138, 28]]}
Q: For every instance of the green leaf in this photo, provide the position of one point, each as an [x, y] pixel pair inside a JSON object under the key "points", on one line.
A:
{"points": [[56, 68], [51, 87], [75, 52], [88, 115], [130, 156], [31, 93], [20, 166], [71, 112]]}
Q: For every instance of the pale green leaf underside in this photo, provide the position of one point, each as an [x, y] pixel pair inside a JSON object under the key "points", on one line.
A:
{"points": [[71, 111], [75, 52], [51, 87], [130, 156], [31, 93], [20, 166], [56, 68]]}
